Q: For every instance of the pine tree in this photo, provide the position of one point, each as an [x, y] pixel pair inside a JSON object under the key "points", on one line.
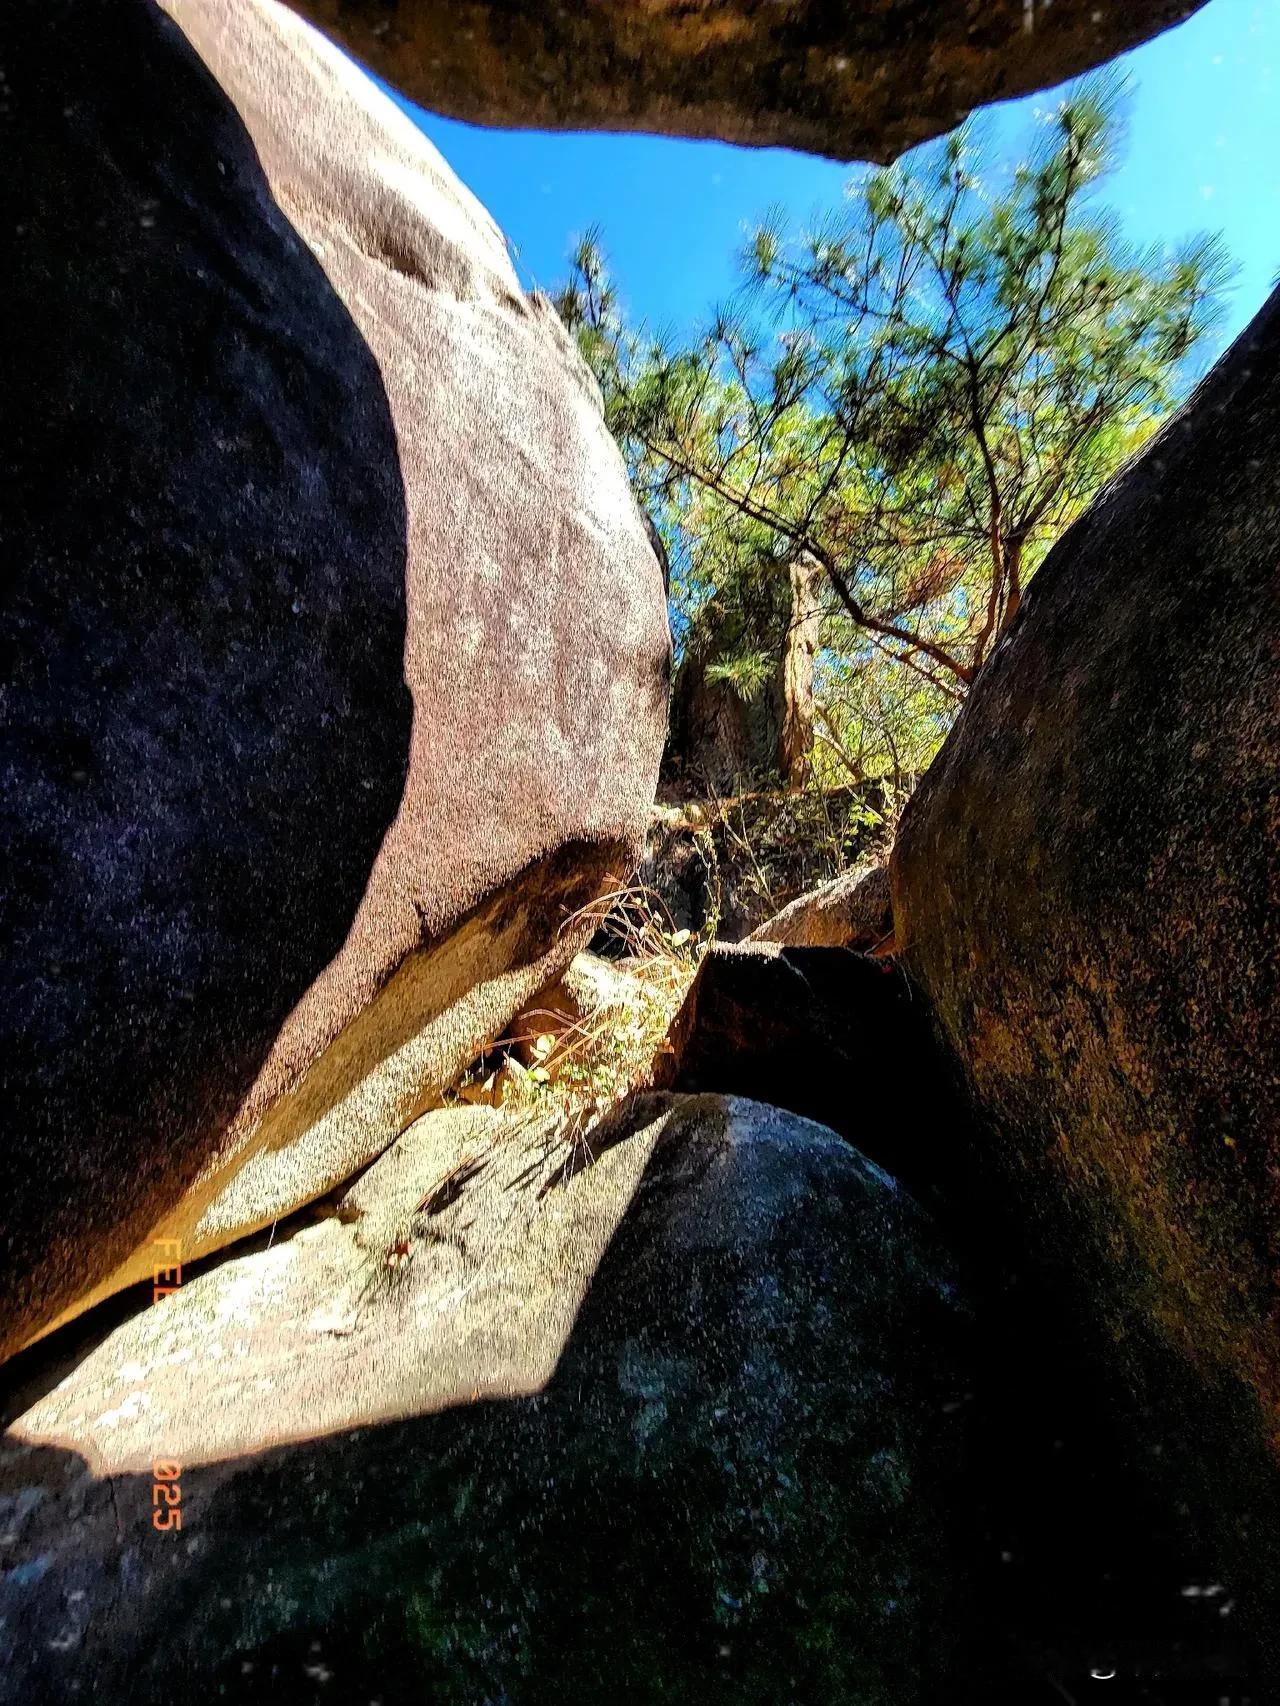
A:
{"points": [[917, 397]]}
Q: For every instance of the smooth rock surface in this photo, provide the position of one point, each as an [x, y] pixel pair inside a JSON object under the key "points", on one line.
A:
{"points": [[672, 1416], [864, 80], [1087, 893], [335, 648]]}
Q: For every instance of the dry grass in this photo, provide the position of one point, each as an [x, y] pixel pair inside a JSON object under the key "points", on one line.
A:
{"points": [[602, 1033]]}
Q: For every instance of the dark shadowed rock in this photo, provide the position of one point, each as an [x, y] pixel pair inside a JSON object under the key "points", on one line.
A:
{"points": [[862, 80], [674, 1418], [854, 910], [283, 437], [1087, 890], [829, 1034], [1084, 1560]]}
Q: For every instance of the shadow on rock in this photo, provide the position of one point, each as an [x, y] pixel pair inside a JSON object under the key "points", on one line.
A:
{"points": [[1096, 1551], [203, 629], [741, 1481]]}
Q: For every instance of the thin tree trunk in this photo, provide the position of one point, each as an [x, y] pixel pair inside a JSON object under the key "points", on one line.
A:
{"points": [[796, 672]]}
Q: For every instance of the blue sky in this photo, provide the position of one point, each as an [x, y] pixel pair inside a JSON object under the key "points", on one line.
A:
{"points": [[1203, 152]]}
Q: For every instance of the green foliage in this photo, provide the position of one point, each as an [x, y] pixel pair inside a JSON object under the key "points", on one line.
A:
{"points": [[749, 673], [920, 393]]}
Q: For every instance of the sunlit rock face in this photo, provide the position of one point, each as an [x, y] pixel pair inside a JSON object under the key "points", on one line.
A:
{"points": [[335, 647], [1087, 891], [851, 911], [861, 80], [673, 1415]]}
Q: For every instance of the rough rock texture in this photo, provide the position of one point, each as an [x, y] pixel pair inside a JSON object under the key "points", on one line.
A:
{"points": [[720, 743], [1087, 890], [826, 1033], [673, 1419], [284, 436], [864, 80], [853, 911], [717, 743], [1085, 1561]]}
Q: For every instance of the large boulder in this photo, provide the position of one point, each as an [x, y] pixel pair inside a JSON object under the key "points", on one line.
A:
{"points": [[1087, 890], [675, 1413], [335, 648], [862, 80], [1086, 1565], [717, 743]]}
